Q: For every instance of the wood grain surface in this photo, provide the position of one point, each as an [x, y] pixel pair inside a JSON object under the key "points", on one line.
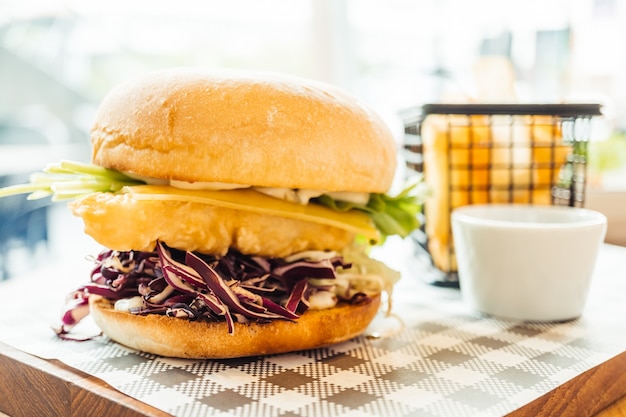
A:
{"points": [[30, 386], [617, 409], [586, 395]]}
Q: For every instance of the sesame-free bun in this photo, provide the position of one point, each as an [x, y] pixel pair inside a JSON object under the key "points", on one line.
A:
{"points": [[176, 337], [243, 128]]}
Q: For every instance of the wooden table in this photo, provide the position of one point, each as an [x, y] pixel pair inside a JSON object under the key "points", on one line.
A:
{"points": [[31, 386], [71, 393], [617, 409]]}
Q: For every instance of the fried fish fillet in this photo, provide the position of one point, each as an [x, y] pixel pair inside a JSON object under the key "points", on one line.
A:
{"points": [[120, 222]]}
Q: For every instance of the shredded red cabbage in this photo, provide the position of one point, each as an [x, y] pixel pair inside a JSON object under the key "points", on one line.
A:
{"points": [[231, 288]]}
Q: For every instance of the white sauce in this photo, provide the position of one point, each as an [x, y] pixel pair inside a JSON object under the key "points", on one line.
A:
{"points": [[201, 185], [300, 196], [126, 304], [322, 300]]}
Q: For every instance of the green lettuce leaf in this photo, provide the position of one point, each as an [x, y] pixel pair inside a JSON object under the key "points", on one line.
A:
{"points": [[67, 180], [397, 215]]}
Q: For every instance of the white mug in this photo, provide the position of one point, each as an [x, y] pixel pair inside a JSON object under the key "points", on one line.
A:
{"points": [[527, 262]]}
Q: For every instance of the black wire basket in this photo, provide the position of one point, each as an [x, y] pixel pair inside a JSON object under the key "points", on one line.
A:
{"points": [[491, 153]]}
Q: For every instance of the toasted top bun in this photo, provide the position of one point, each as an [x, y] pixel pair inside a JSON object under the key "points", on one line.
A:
{"points": [[168, 336], [243, 128]]}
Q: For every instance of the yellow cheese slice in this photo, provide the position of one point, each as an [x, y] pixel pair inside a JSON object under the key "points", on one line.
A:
{"points": [[250, 200]]}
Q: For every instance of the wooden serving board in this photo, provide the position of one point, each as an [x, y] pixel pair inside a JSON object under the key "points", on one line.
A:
{"points": [[434, 357]]}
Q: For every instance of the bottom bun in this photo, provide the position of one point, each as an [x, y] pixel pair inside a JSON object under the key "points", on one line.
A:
{"points": [[175, 337]]}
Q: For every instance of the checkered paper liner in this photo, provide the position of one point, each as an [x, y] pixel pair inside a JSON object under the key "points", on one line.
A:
{"points": [[435, 358]]}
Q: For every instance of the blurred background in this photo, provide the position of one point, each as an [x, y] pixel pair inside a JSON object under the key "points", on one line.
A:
{"points": [[59, 58]]}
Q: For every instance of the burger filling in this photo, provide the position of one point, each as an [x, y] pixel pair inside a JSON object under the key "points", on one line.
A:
{"points": [[234, 288], [300, 196]]}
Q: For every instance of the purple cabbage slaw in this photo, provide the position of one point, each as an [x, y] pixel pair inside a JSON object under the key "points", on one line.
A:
{"points": [[231, 288]]}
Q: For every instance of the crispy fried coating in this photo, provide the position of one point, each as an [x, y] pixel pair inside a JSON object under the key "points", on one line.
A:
{"points": [[120, 222]]}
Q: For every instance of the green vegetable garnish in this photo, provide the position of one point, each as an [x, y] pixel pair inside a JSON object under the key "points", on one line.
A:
{"points": [[69, 180], [392, 215]]}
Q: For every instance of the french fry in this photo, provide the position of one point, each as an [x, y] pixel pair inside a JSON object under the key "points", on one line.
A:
{"points": [[482, 159]]}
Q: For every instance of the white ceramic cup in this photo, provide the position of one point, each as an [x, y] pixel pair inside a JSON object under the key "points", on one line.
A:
{"points": [[526, 262]]}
